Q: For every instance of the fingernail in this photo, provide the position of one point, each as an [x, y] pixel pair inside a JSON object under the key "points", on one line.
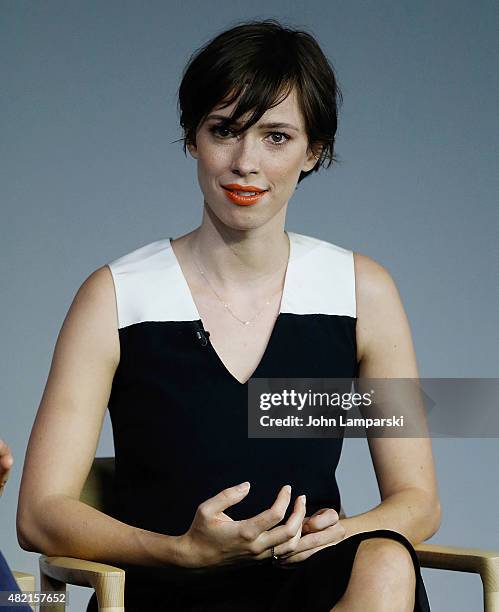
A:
{"points": [[288, 488], [303, 498], [243, 486]]}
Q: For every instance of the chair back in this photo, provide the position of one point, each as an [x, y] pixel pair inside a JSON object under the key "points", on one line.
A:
{"points": [[98, 488]]}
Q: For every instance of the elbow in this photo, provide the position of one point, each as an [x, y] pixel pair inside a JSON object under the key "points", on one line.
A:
{"points": [[429, 515], [24, 540], [438, 516], [434, 518], [26, 530], [38, 526]]}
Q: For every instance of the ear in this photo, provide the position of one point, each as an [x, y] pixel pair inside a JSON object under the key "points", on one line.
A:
{"points": [[192, 149], [313, 157]]}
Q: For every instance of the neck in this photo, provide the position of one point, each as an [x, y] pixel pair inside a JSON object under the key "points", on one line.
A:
{"points": [[241, 258]]}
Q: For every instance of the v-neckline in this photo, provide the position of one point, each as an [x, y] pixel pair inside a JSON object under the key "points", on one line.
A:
{"points": [[282, 303]]}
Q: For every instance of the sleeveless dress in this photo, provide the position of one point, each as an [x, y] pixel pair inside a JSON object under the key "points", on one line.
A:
{"points": [[180, 429]]}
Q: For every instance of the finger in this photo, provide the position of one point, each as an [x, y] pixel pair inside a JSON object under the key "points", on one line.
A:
{"points": [[321, 511], [301, 556], [283, 541], [258, 524], [293, 526], [6, 462], [310, 527], [307, 518], [5, 450], [322, 519], [290, 545], [226, 498], [289, 534], [319, 539]]}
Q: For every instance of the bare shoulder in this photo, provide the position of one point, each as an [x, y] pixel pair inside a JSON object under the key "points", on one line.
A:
{"points": [[372, 280], [94, 307], [381, 318], [98, 286]]}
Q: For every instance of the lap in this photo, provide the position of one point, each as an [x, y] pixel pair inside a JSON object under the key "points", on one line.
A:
{"points": [[315, 584]]}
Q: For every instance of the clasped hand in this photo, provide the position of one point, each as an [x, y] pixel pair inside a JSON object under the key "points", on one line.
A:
{"points": [[215, 539]]}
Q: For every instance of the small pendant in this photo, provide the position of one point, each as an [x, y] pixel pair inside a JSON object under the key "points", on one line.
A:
{"points": [[247, 322]]}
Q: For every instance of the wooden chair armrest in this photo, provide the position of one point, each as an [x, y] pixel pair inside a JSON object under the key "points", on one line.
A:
{"points": [[107, 581], [25, 582], [455, 558], [476, 560]]}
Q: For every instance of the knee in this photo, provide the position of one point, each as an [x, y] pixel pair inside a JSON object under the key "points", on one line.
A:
{"points": [[392, 562], [383, 578]]}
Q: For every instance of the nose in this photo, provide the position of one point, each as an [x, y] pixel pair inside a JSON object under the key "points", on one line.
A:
{"points": [[245, 158]]}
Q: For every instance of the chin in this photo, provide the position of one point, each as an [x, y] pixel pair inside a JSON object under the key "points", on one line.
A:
{"points": [[241, 224], [237, 217], [241, 217]]}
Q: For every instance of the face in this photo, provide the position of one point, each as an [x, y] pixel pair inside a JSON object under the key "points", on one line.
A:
{"points": [[267, 157]]}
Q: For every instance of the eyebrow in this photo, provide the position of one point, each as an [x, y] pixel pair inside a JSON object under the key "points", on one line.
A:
{"points": [[272, 125]]}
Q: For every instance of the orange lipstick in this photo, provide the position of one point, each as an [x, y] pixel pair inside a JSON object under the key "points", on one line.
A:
{"points": [[244, 195]]}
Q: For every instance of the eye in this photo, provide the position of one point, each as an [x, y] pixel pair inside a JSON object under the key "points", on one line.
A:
{"points": [[218, 129], [283, 140], [223, 133]]}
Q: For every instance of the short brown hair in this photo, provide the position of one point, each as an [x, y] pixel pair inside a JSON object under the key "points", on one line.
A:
{"points": [[262, 61]]}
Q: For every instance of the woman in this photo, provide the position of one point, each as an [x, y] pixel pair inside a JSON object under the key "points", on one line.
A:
{"points": [[168, 336]]}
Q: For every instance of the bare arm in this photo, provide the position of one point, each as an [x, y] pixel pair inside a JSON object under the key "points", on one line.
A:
{"points": [[62, 445], [64, 438], [404, 466]]}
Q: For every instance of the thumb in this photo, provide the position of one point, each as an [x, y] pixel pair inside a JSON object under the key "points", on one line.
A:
{"points": [[323, 518], [227, 498]]}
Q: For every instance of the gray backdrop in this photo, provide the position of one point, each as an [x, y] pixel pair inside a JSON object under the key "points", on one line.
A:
{"points": [[89, 172]]}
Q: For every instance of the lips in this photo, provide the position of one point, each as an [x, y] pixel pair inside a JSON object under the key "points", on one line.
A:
{"points": [[243, 188], [236, 194]]}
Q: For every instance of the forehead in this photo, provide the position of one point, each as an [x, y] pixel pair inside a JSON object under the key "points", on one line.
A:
{"points": [[288, 110]]}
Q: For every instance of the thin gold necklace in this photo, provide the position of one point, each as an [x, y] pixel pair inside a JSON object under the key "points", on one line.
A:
{"points": [[226, 304]]}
